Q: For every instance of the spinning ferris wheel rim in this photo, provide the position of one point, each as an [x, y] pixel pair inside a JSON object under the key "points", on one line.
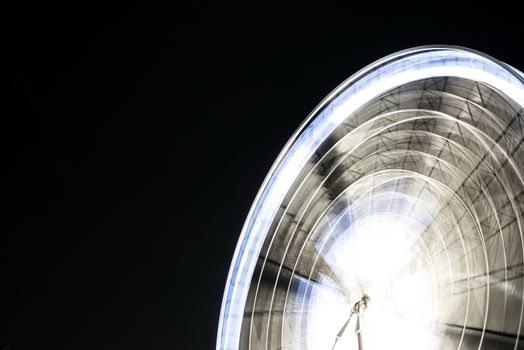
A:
{"points": [[381, 76]]}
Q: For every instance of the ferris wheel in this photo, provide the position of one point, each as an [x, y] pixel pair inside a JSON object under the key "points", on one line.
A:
{"points": [[393, 218]]}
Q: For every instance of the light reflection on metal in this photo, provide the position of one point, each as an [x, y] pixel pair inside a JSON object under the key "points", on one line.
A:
{"points": [[405, 184]]}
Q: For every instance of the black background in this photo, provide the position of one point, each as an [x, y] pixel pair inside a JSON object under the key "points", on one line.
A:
{"points": [[135, 137]]}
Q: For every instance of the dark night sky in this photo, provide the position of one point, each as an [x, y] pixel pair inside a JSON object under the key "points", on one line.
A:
{"points": [[136, 136]]}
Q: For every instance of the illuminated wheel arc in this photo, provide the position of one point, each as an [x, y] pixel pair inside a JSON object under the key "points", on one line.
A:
{"points": [[432, 159]]}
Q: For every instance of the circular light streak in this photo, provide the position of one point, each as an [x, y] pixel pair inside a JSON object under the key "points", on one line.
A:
{"points": [[405, 185]]}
